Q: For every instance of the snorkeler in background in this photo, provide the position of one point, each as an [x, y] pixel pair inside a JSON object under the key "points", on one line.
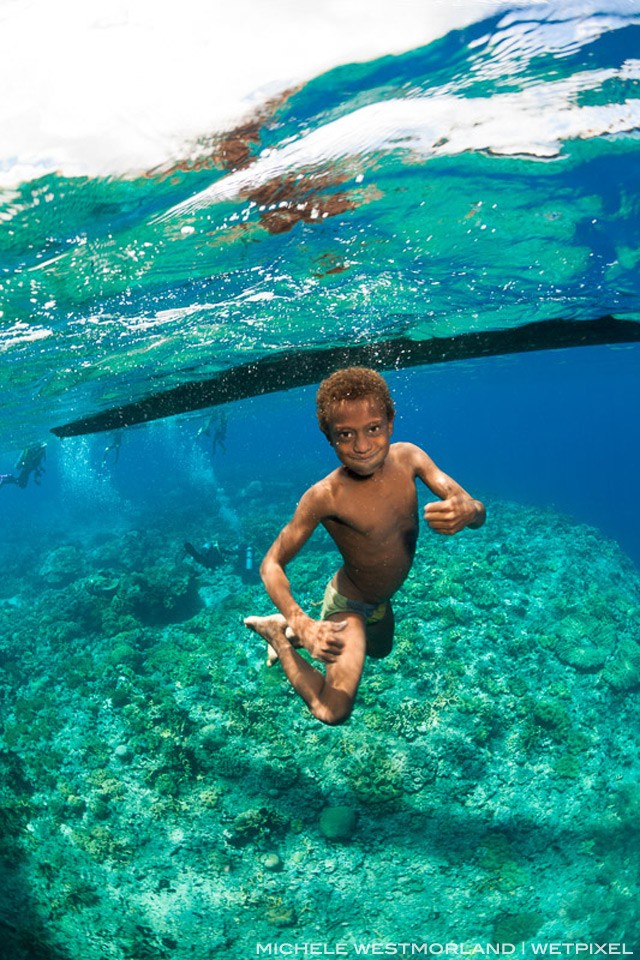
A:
{"points": [[216, 429], [112, 449], [30, 461]]}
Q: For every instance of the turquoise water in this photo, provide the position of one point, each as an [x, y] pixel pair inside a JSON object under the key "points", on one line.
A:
{"points": [[164, 794], [480, 183]]}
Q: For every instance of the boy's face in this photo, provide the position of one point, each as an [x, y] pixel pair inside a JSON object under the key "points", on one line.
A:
{"points": [[360, 434]]}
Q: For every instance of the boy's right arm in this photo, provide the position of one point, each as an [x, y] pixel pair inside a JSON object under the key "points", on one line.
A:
{"points": [[320, 637]]}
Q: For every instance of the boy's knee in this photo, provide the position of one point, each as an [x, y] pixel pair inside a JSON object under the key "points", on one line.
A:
{"points": [[333, 716]]}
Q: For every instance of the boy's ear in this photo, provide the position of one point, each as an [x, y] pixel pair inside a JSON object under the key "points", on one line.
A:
{"points": [[391, 420]]}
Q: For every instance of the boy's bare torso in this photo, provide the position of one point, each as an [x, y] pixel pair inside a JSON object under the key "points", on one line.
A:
{"points": [[374, 523]]}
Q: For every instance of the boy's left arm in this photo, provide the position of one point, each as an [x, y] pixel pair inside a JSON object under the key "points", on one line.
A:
{"points": [[456, 509]]}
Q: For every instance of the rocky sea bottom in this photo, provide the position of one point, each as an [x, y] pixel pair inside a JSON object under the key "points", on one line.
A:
{"points": [[166, 795]]}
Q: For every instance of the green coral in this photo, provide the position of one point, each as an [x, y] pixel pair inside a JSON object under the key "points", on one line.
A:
{"points": [[254, 826], [553, 718], [567, 767], [120, 694], [161, 595], [623, 671], [169, 595], [123, 653], [102, 843], [584, 643], [377, 775], [280, 914], [549, 721]]}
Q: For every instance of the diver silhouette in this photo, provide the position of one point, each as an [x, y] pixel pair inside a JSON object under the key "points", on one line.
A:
{"points": [[242, 557], [216, 429], [209, 556], [30, 461], [112, 449]]}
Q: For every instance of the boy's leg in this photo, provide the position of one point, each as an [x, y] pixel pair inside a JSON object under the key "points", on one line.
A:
{"points": [[330, 696]]}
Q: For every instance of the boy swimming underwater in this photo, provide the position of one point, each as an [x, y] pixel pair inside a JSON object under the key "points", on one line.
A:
{"points": [[369, 506]]}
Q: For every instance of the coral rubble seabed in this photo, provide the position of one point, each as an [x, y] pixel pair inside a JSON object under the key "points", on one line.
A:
{"points": [[164, 794]]}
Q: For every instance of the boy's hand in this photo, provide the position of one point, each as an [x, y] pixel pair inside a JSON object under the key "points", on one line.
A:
{"points": [[452, 515], [321, 638]]}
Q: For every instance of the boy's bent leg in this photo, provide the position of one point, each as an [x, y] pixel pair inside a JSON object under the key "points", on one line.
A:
{"points": [[343, 675], [330, 697]]}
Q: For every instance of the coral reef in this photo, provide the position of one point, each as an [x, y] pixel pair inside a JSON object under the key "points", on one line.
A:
{"points": [[167, 792]]}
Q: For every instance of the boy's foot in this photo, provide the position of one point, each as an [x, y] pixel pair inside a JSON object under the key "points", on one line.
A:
{"points": [[273, 629]]}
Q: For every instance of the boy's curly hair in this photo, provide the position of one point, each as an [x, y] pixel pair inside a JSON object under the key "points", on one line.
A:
{"points": [[352, 383]]}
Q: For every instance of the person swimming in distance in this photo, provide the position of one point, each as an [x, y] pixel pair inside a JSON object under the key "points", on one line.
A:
{"points": [[369, 507], [209, 556], [216, 430], [212, 556], [30, 462], [112, 449]]}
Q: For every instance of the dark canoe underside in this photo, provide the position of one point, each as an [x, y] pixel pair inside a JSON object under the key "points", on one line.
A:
{"points": [[287, 370]]}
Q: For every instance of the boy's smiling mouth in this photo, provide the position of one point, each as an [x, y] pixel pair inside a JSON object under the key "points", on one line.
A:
{"points": [[367, 465]]}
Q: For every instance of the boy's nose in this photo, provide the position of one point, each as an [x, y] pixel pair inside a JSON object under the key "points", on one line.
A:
{"points": [[361, 443]]}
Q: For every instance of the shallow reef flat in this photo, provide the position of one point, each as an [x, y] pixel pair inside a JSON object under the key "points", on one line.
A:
{"points": [[164, 794]]}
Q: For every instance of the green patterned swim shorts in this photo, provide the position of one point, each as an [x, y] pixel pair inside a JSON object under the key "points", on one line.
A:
{"points": [[335, 602]]}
